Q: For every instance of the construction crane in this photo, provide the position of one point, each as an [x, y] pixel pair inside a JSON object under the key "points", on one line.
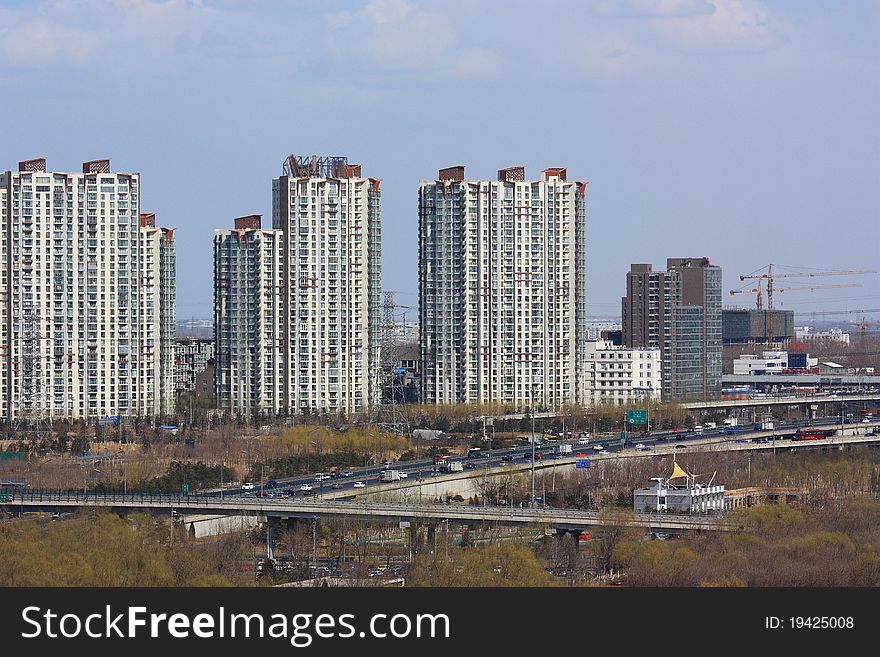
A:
{"points": [[769, 276]]}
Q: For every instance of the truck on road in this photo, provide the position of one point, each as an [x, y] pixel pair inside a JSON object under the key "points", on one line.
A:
{"points": [[389, 476], [451, 466], [563, 449]]}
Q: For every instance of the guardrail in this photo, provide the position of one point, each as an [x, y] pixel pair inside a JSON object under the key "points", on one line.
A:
{"points": [[48, 498]]}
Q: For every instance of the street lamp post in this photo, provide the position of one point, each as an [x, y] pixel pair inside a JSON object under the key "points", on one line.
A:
{"points": [[225, 456], [121, 454], [532, 498]]}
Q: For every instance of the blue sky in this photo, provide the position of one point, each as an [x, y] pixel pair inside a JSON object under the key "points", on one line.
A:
{"points": [[742, 130]]}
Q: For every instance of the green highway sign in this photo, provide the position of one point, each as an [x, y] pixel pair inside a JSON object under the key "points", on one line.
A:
{"points": [[4, 498], [185, 489], [637, 417]]}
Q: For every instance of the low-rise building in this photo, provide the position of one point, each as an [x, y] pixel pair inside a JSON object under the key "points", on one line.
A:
{"points": [[831, 335], [191, 356], [618, 375], [772, 362], [679, 493]]}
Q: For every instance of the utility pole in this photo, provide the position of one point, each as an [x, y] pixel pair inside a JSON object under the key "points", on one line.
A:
{"points": [[532, 499]]}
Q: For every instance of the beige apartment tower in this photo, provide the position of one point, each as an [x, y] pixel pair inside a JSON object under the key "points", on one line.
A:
{"points": [[87, 296]]}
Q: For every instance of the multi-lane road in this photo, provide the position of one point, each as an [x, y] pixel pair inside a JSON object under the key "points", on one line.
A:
{"points": [[362, 480]]}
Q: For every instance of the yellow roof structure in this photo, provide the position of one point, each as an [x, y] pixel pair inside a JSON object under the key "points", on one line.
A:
{"points": [[677, 472]]}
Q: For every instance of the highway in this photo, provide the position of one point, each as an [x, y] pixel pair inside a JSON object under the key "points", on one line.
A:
{"points": [[519, 458]]}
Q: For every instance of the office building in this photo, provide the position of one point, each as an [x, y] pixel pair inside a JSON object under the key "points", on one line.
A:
{"points": [[748, 326], [86, 296], [617, 375], [502, 288], [679, 312]]}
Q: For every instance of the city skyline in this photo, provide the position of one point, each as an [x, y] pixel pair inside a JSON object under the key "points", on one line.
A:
{"points": [[741, 131]]}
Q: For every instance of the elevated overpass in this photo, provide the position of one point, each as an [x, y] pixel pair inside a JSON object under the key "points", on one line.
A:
{"points": [[272, 509], [791, 400]]}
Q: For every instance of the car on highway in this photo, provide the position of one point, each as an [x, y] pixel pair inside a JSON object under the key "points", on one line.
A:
{"points": [[336, 485], [321, 476], [403, 475], [271, 484], [641, 447], [506, 458], [581, 455], [305, 487], [598, 448], [681, 447], [359, 484], [248, 485]]}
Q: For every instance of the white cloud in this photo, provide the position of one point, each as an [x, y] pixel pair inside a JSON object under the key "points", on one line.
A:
{"points": [[476, 63], [400, 34], [732, 25]]}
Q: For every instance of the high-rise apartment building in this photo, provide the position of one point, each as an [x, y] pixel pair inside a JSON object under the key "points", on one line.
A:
{"points": [[330, 219], [296, 308], [249, 302], [679, 312], [158, 298], [502, 288], [86, 296]]}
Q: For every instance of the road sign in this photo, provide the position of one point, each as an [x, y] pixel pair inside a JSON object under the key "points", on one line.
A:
{"points": [[623, 436], [637, 417], [582, 463], [4, 498], [185, 489]]}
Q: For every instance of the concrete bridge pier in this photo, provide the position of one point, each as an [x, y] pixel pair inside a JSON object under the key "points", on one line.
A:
{"points": [[271, 527]]}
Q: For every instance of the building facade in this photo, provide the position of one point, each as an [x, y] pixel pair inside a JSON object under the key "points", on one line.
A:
{"points": [[617, 375], [191, 359], [329, 217], [158, 297], [249, 302], [679, 312], [750, 325], [502, 288], [83, 334]]}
